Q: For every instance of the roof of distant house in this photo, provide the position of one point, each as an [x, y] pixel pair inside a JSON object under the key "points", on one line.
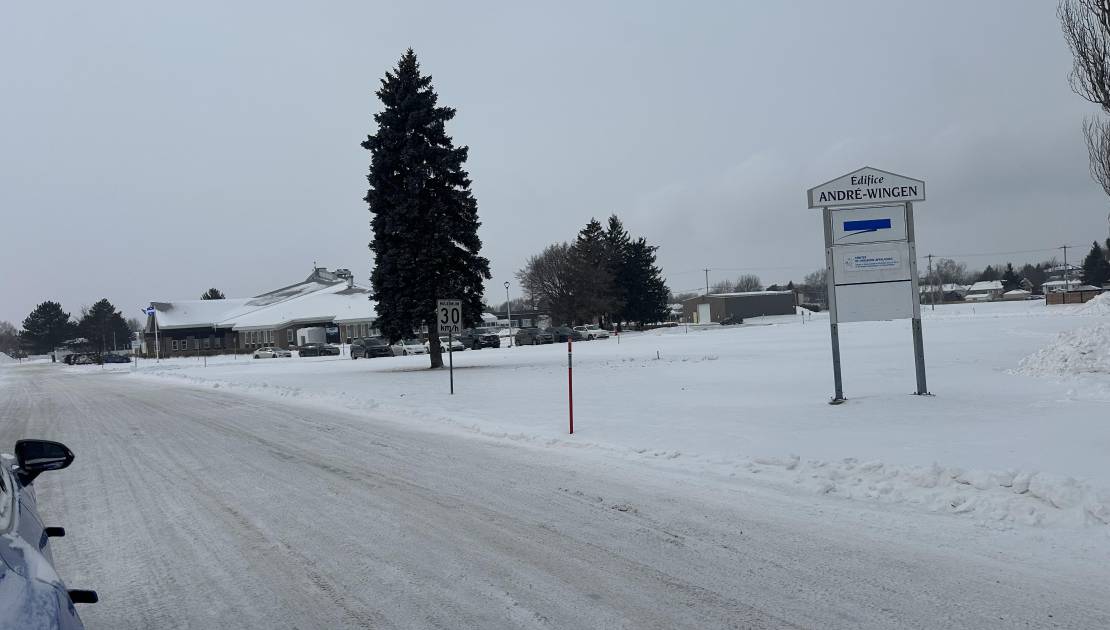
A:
{"points": [[986, 285]]}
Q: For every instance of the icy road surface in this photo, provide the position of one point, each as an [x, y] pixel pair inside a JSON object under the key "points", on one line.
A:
{"points": [[190, 508]]}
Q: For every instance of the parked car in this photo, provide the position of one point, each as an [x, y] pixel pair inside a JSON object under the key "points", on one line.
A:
{"points": [[318, 350], [31, 593], [114, 358], [370, 347], [732, 319], [478, 339], [560, 334], [456, 345], [405, 347], [592, 332], [271, 353], [533, 337]]}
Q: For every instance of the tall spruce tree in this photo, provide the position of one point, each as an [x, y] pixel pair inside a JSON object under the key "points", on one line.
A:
{"points": [[46, 328], [1010, 279], [1096, 269], [104, 326], [616, 246], [424, 218], [592, 274], [647, 290]]}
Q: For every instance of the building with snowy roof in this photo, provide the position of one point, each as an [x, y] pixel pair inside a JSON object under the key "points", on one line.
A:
{"points": [[985, 290], [712, 308], [330, 300]]}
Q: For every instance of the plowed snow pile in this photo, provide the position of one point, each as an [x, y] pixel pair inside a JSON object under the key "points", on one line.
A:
{"points": [[5, 358], [1082, 351], [1098, 306]]}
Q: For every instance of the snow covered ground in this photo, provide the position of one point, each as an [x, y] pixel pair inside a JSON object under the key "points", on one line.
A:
{"points": [[1010, 438]]}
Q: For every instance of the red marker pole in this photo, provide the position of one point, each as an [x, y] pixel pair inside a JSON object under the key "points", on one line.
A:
{"points": [[570, 383]]}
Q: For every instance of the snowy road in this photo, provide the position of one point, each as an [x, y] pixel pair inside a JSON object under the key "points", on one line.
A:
{"points": [[196, 508]]}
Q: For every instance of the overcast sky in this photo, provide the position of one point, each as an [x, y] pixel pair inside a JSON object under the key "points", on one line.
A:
{"points": [[152, 150]]}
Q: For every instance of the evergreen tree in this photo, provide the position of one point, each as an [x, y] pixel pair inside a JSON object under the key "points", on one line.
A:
{"points": [[212, 294], [104, 326], [593, 280], [616, 244], [424, 218], [1010, 279], [989, 274], [46, 328], [1096, 269], [647, 290]]}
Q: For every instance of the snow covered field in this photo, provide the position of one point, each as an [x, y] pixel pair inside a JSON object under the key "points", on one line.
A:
{"points": [[1016, 434]]}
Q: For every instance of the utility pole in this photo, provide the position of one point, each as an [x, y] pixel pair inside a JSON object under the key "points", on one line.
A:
{"points": [[932, 286], [1067, 271], [707, 281]]}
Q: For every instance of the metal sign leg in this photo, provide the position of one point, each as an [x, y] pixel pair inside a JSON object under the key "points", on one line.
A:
{"points": [[838, 382], [919, 358]]}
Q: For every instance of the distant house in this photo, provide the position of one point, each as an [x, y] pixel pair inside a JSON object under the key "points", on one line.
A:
{"points": [[326, 299], [1071, 284], [707, 309], [984, 290], [1016, 294]]}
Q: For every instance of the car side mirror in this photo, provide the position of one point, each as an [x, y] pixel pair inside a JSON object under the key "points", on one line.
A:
{"points": [[38, 456]]}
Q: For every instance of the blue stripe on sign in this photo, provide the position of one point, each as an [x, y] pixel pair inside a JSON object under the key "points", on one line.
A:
{"points": [[867, 225]]}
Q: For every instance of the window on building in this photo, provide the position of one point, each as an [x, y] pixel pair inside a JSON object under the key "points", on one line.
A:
{"points": [[207, 343], [173, 344], [289, 336], [218, 342]]}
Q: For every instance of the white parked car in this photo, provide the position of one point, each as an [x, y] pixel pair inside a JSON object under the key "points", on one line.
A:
{"points": [[456, 345], [405, 347], [592, 332], [272, 353]]}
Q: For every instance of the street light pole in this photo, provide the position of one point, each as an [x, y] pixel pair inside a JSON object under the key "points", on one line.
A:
{"points": [[509, 313]]}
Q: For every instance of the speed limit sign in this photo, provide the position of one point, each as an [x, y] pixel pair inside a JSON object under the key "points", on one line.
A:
{"points": [[449, 316]]}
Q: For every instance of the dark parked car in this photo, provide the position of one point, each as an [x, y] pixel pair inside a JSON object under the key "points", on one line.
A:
{"points": [[370, 347], [478, 339], [318, 350], [31, 593], [560, 334], [732, 319], [532, 337], [114, 358]]}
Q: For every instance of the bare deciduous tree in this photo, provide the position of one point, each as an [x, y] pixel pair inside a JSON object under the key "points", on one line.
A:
{"points": [[1097, 132], [748, 282], [1086, 26], [548, 278]]}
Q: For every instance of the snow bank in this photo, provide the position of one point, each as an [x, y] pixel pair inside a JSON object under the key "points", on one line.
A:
{"points": [[1099, 306], [5, 358], [1082, 351], [1001, 497]]}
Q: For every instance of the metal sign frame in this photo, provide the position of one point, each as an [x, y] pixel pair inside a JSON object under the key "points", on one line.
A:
{"points": [[831, 251]]}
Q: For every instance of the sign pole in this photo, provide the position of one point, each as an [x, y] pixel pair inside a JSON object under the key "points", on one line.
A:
{"points": [[830, 288], [570, 383], [451, 360], [918, 343]]}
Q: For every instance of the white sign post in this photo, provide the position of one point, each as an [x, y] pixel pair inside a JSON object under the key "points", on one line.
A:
{"points": [[870, 256], [449, 322]]}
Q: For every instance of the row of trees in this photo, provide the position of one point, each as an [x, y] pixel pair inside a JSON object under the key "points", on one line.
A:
{"points": [[49, 326], [605, 276]]}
